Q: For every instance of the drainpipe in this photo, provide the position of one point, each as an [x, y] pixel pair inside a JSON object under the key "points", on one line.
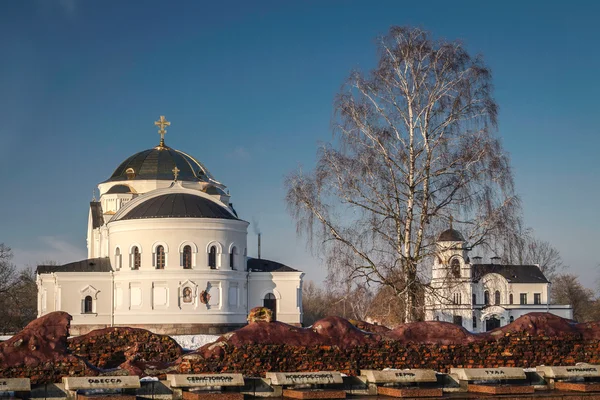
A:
{"points": [[112, 299], [247, 289]]}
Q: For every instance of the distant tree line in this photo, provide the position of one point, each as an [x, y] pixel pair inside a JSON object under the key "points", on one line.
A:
{"points": [[18, 294]]}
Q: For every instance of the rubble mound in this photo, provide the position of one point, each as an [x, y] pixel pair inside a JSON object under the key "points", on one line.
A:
{"points": [[40, 352], [432, 332], [539, 324], [110, 347], [368, 327]]}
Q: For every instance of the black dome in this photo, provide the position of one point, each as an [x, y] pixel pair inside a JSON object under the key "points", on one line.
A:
{"points": [[158, 163], [178, 205], [119, 189], [451, 235]]}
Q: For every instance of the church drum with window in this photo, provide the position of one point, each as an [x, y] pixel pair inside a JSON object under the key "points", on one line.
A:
{"points": [[480, 297], [167, 252]]}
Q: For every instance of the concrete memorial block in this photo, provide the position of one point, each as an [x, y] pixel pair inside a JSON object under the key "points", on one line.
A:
{"points": [[260, 387], [399, 375], [205, 380], [576, 371], [489, 374], [304, 378], [101, 382], [15, 385]]}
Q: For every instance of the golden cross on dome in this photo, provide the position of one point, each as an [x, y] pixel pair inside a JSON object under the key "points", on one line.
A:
{"points": [[175, 172], [161, 123]]}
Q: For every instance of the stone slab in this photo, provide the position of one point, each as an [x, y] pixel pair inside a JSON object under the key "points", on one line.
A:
{"points": [[204, 380], [101, 382], [409, 392], [304, 378], [15, 385], [501, 389], [577, 386], [105, 397], [199, 395], [488, 374], [260, 387], [399, 375], [314, 394], [576, 371]]}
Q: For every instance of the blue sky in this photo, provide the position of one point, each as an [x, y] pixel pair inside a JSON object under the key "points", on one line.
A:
{"points": [[248, 87]]}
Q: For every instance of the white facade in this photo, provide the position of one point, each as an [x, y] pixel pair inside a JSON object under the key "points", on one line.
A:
{"points": [[481, 297], [168, 255]]}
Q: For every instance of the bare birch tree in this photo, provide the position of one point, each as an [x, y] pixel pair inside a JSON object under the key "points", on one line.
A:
{"points": [[413, 146]]}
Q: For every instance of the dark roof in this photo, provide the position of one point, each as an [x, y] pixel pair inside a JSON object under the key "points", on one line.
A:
{"points": [[178, 205], [261, 265], [158, 163], [89, 265], [451, 235], [119, 189], [512, 273], [97, 218]]}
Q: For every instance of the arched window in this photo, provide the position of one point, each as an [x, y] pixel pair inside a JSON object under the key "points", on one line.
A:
{"points": [[497, 297], [486, 298], [136, 258], [474, 299], [187, 257], [118, 258], [88, 305], [160, 257], [510, 298], [474, 322], [455, 267], [212, 257], [232, 258], [511, 319]]}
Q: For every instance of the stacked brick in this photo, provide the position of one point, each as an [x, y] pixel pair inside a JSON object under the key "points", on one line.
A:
{"points": [[110, 347], [516, 349]]}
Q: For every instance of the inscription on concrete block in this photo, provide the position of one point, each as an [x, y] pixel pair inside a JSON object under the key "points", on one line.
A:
{"points": [[576, 371], [101, 382], [203, 380], [399, 375], [488, 374], [309, 378], [15, 385]]}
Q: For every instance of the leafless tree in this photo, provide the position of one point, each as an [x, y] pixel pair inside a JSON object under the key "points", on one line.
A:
{"points": [[520, 246], [566, 289], [413, 146], [18, 294]]}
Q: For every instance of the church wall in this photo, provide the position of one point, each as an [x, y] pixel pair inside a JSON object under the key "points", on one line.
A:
{"points": [[173, 234], [285, 286], [174, 297]]}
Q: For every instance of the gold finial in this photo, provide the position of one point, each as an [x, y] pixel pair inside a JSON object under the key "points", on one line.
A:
{"points": [[451, 220], [175, 172], [161, 123]]}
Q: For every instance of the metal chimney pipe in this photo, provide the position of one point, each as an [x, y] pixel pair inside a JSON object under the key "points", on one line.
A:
{"points": [[259, 246]]}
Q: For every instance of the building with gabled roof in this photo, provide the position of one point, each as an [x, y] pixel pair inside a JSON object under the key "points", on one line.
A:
{"points": [[479, 296]]}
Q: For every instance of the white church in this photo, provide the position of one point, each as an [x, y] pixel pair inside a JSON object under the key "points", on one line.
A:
{"points": [[483, 296], [167, 252]]}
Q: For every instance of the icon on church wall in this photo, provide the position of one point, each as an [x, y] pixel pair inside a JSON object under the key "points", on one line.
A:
{"points": [[187, 295], [204, 297]]}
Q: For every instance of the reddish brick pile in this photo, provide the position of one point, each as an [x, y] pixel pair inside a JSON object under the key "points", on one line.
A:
{"points": [[513, 350], [110, 347]]}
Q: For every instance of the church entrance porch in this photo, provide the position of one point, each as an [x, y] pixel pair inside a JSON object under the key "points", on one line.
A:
{"points": [[492, 323]]}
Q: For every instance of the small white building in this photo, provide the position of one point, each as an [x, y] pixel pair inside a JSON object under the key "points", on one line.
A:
{"points": [[481, 297], [167, 252]]}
